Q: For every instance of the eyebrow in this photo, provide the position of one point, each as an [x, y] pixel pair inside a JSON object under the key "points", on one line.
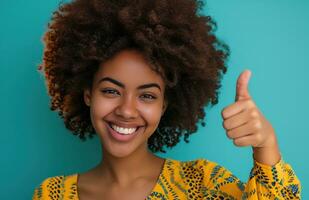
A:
{"points": [[148, 85]]}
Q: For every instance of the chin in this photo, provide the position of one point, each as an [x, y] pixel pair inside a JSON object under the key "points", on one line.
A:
{"points": [[121, 150]]}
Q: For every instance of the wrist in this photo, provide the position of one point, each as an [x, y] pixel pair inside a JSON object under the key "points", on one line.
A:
{"points": [[269, 154]]}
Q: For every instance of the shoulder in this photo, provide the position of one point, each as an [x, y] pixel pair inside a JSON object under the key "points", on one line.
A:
{"points": [[197, 164], [198, 167], [200, 170], [195, 176], [56, 187]]}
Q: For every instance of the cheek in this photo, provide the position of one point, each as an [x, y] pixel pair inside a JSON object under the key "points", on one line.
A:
{"points": [[101, 108], [151, 114]]}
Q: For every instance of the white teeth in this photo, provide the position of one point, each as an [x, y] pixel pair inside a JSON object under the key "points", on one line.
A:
{"points": [[125, 131]]}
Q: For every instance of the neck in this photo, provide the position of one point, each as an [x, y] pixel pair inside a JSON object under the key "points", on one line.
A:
{"points": [[124, 170]]}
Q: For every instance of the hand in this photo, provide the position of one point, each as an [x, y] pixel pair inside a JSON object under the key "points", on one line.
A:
{"points": [[246, 125]]}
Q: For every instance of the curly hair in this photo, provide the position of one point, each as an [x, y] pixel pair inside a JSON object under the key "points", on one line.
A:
{"points": [[177, 41]]}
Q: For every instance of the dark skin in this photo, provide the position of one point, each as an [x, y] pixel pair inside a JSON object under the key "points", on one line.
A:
{"points": [[127, 168]]}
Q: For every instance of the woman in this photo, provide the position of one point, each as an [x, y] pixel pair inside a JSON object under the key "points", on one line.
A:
{"points": [[138, 74]]}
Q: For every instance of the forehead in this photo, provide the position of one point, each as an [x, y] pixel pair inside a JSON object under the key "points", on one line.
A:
{"points": [[130, 68]]}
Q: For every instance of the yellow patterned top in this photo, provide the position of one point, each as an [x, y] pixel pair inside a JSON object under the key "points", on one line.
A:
{"points": [[197, 179]]}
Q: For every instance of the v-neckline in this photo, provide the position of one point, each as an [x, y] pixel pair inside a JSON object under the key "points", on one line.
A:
{"points": [[163, 169]]}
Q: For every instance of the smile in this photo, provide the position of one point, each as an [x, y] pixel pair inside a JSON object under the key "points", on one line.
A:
{"points": [[122, 130], [122, 134]]}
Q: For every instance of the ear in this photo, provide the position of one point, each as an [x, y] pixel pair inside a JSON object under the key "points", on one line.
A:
{"points": [[87, 96]]}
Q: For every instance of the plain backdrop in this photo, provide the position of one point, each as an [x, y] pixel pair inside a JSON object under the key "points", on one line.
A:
{"points": [[268, 37]]}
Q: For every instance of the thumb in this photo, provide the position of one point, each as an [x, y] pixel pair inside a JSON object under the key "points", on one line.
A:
{"points": [[242, 91]]}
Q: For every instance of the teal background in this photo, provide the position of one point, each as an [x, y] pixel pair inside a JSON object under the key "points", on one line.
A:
{"points": [[268, 37]]}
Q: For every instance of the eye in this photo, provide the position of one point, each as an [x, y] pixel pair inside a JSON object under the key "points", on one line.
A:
{"points": [[109, 91], [148, 96]]}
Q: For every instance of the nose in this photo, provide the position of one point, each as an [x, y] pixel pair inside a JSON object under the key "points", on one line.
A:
{"points": [[127, 108]]}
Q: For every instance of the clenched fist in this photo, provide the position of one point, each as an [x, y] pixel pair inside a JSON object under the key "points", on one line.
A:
{"points": [[246, 125]]}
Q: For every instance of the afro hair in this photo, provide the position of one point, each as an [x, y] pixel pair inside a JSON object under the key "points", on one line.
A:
{"points": [[178, 42]]}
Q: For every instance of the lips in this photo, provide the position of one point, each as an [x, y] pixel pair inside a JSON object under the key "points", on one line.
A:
{"points": [[137, 127], [122, 137], [124, 125]]}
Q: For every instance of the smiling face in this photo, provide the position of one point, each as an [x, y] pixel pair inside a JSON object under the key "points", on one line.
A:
{"points": [[127, 93]]}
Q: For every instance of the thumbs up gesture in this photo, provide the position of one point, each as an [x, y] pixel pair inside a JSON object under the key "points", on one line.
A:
{"points": [[246, 125]]}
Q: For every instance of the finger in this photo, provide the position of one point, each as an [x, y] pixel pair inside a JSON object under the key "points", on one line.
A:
{"points": [[236, 108], [248, 140], [237, 120], [243, 130], [242, 91]]}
